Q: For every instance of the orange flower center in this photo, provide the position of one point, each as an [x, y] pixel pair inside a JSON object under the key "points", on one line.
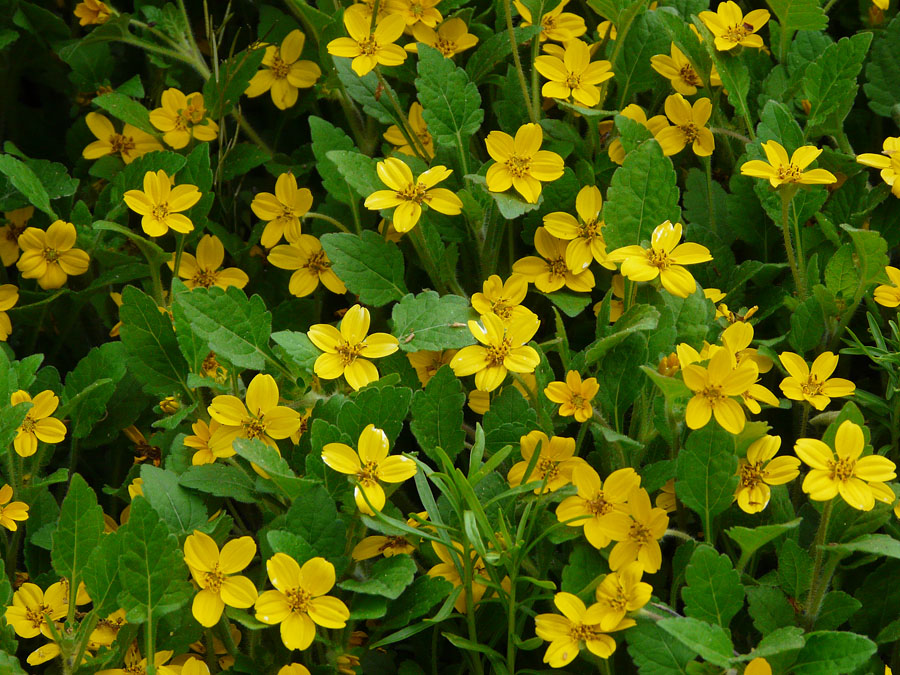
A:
{"points": [[690, 131], [573, 81], [368, 474], [368, 47], [121, 143], [518, 166], [298, 600], [640, 533], [214, 580], [51, 255], [558, 267], [502, 310], [318, 262], [548, 468], [36, 615], [598, 506], [255, 428], [160, 211], [496, 354], [27, 424], [205, 277], [280, 69], [788, 173], [689, 75], [348, 353], [751, 474], [812, 387], [737, 32], [842, 469], [658, 258], [589, 230], [445, 46]]}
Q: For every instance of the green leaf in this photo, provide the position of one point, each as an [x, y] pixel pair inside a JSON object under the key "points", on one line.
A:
{"points": [[875, 544], [637, 318], [710, 642], [273, 464], [78, 532], [126, 109], [313, 517], [829, 652], [794, 568], [416, 601], [634, 74], [714, 592], [769, 608], [883, 71], [799, 14], [643, 194], [235, 73], [326, 138], [358, 170], [370, 266], [151, 567], [101, 575], [241, 159], [705, 472], [841, 275], [777, 123], [836, 608], [389, 577], [871, 252], [429, 321], [807, 326], [26, 181], [879, 599], [237, 328], [148, 337], [299, 347], [495, 49], [829, 82], [366, 91], [570, 304], [181, 510], [655, 653], [510, 203], [219, 480], [10, 665], [751, 539], [735, 79], [779, 641], [385, 407], [451, 103], [437, 414], [90, 386]]}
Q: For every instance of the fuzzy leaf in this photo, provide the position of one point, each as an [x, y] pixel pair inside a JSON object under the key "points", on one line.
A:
{"points": [[437, 414], [371, 267], [451, 103], [714, 592], [428, 321]]}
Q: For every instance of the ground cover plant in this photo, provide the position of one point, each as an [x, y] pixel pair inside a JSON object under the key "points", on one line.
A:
{"points": [[449, 336]]}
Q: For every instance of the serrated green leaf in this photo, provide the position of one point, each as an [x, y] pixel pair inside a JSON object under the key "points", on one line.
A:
{"points": [[637, 318], [634, 74], [299, 347], [751, 539], [829, 652], [437, 414], [451, 103], [181, 510], [326, 138], [219, 480], [799, 14], [883, 71], [90, 386], [388, 577], [777, 123], [358, 170], [836, 608], [385, 407], [777, 642], [829, 82], [714, 592], [807, 326], [871, 252], [429, 321], [313, 516], [495, 49], [78, 532], [794, 568], [276, 467], [367, 92], [416, 601], [876, 544], [709, 641], [735, 79], [370, 266], [841, 275], [26, 181], [705, 472], [234, 74], [101, 575], [126, 109], [655, 653]]}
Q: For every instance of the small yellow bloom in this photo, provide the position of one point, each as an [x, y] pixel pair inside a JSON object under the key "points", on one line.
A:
{"points": [[10, 512], [714, 388], [502, 349], [293, 669], [479, 402], [93, 12], [859, 480], [814, 385], [888, 161], [668, 365], [203, 270], [781, 170], [49, 256], [104, 634], [205, 454], [161, 204], [135, 665], [760, 470], [9, 296], [417, 12], [306, 256], [16, 222], [617, 302], [887, 295], [377, 545], [556, 459], [551, 272], [283, 73], [136, 488], [369, 48], [369, 465], [408, 194], [448, 569], [585, 235], [520, 163], [38, 424], [169, 405], [182, 118], [664, 259], [732, 28], [681, 72], [600, 506], [666, 497], [347, 350], [737, 338], [395, 137], [688, 126], [759, 666], [282, 210], [299, 602], [502, 299], [216, 574], [634, 112], [450, 38], [574, 75], [574, 396], [32, 608], [130, 144], [556, 24], [647, 527], [578, 627], [427, 363], [621, 592]]}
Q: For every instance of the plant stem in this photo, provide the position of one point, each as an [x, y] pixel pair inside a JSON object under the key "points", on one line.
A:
{"points": [[799, 281], [721, 131], [328, 219], [511, 628], [507, 8], [412, 138], [470, 610], [822, 572], [252, 134], [149, 645], [535, 88], [707, 163]]}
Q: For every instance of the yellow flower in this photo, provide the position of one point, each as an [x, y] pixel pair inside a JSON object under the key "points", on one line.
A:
{"points": [[283, 73], [194, 666], [714, 387], [205, 454], [293, 669], [448, 569], [216, 575], [32, 608], [520, 163], [887, 295], [617, 302], [16, 222], [408, 194], [417, 12], [91, 12], [104, 634], [212, 368], [759, 666], [760, 470], [169, 405], [648, 525], [732, 28], [552, 272], [136, 488], [371, 547], [574, 75], [369, 48], [680, 72], [427, 363], [203, 270], [130, 144], [450, 38], [347, 350], [502, 349], [502, 299], [49, 256], [37, 425], [664, 259], [574, 396], [181, 118], [599, 507], [554, 464], [556, 24], [606, 28], [621, 592], [585, 235], [9, 296], [395, 137], [299, 602], [161, 204], [666, 497], [779, 170], [814, 385], [688, 126], [369, 464], [10, 512], [634, 112], [135, 665], [859, 480], [305, 255], [480, 401], [888, 162], [282, 210], [737, 338], [578, 627]]}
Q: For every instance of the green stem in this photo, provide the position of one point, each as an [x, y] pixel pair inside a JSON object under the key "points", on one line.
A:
{"points": [[829, 5], [251, 133], [511, 628], [721, 131], [179, 251], [210, 649], [150, 644], [470, 610], [328, 219], [535, 88], [418, 242], [507, 8], [411, 137], [787, 194], [707, 163], [91, 620], [822, 572]]}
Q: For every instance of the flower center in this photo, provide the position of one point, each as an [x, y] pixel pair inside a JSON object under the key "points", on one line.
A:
{"points": [[445, 46], [589, 230], [689, 75], [368, 474], [160, 211], [416, 9], [51, 255], [548, 469], [751, 474], [548, 23], [434, 366], [27, 424], [13, 231], [573, 81], [578, 401], [348, 353], [255, 428], [598, 506], [582, 633], [205, 278], [518, 166], [214, 580], [414, 192], [738, 32], [618, 601], [558, 267], [842, 470], [658, 259], [496, 354], [812, 387], [121, 143], [298, 600], [36, 615], [788, 173], [135, 669], [368, 47], [713, 394], [393, 543], [502, 310], [639, 533], [318, 262], [690, 131], [279, 68]]}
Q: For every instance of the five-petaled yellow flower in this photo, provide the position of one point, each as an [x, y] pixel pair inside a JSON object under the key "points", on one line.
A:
{"points": [[370, 464], [38, 424], [714, 388], [200, 443], [585, 235], [182, 118], [450, 38], [203, 270], [502, 349], [600, 506], [556, 460], [161, 204], [93, 12], [369, 48], [647, 527], [888, 162], [813, 385], [502, 298], [347, 350], [283, 73], [859, 480], [887, 295], [408, 194], [664, 259], [556, 24], [49, 256], [32, 608], [417, 12], [574, 395], [311, 265], [688, 126], [9, 296], [760, 470], [299, 602], [574, 75], [731, 27], [130, 144], [634, 112], [10, 512], [681, 72], [621, 592], [216, 574], [551, 272], [578, 626], [781, 170], [520, 162], [282, 210], [395, 137]]}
